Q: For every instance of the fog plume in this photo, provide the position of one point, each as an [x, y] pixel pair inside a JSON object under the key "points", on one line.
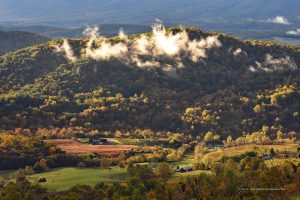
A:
{"points": [[271, 64], [146, 50], [175, 46], [294, 32], [67, 50], [237, 52], [92, 32]]}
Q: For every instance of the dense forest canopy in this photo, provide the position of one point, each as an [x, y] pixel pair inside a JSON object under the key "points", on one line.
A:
{"points": [[235, 87], [130, 108]]}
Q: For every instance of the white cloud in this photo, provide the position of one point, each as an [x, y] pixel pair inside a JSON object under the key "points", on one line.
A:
{"points": [[107, 51], [147, 50], [237, 52], [92, 32], [122, 34], [278, 20], [271, 64], [294, 32]]}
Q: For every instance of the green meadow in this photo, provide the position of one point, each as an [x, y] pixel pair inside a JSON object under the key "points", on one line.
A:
{"points": [[64, 178]]}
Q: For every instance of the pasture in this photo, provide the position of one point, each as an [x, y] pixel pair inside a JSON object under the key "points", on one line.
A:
{"points": [[233, 151], [64, 178]]}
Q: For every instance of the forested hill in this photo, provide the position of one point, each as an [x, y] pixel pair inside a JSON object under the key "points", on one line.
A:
{"points": [[14, 40], [216, 83]]}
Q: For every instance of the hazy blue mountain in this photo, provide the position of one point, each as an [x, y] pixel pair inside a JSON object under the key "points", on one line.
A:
{"points": [[14, 40], [245, 19], [187, 12], [107, 30]]}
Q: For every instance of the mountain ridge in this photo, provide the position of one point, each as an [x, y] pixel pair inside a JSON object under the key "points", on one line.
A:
{"points": [[40, 86]]}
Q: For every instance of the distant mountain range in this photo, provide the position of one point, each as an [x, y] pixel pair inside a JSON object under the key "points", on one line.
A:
{"points": [[107, 30], [247, 19], [173, 12]]}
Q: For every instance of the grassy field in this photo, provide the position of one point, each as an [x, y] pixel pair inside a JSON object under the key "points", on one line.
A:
{"points": [[187, 174], [233, 151], [139, 142], [187, 160], [280, 161], [179, 177], [73, 146], [76, 147], [64, 178]]}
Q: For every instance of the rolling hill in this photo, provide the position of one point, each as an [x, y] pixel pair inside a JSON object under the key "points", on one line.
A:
{"points": [[14, 40], [214, 82], [107, 30]]}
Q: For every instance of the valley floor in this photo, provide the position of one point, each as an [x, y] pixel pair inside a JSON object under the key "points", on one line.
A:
{"points": [[60, 179]]}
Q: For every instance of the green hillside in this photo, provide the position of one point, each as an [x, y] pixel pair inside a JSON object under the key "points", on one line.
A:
{"points": [[230, 92]]}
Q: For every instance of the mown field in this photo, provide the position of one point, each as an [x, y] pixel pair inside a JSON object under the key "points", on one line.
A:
{"points": [[64, 178], [75, 147]]}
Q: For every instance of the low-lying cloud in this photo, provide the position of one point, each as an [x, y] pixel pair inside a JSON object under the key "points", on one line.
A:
{"points": [[278, 20], [271, 64], [66, 48], [294, 32], [145, 50], [239, 52], [92, 32]]}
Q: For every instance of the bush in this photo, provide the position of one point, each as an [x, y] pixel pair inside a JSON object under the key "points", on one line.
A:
{"points": [[42, 180], [81, 165]]}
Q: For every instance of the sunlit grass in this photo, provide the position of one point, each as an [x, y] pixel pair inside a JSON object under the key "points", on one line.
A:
{"points": [[64, 178], [233, 151]]}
